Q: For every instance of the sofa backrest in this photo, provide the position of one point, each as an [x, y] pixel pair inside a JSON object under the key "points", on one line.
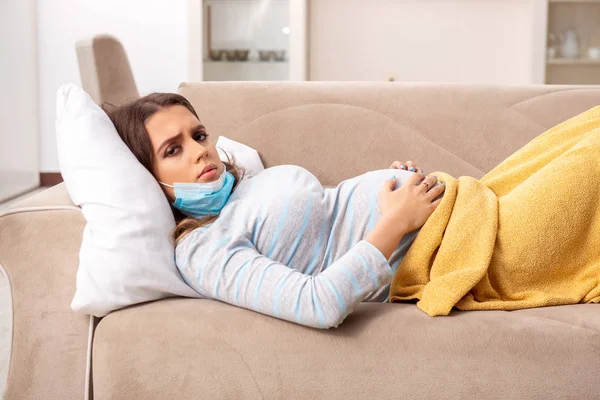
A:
{"points": [[338, 130]]}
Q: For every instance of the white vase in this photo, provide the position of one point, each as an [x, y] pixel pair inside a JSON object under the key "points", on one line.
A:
{"points": [[569, 47]]}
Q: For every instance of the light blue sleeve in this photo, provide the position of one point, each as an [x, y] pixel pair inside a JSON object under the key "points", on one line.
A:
{"points": [[230, 269]]}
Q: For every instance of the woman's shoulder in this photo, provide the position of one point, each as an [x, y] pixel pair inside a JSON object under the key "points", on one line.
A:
{"points": [[285, 171], [283, 168], [200, 235]]}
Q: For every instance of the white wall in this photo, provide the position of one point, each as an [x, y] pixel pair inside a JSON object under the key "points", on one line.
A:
{"points": [[471, 41], [153, 32], [491, 41], [18, 100]]}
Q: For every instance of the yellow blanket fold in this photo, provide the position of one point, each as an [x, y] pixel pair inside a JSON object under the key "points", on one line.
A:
{"points": [[525, 235]]}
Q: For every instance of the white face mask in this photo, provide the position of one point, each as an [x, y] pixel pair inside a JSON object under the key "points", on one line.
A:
{"points": [[197, 199]]}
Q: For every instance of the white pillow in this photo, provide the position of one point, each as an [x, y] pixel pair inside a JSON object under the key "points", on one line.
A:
{"points": [[126, 255], [243, 155]]}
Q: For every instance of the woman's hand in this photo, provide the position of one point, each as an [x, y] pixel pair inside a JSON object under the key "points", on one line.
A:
{"points": [[409, 206], [408, 166], [403, 210]]}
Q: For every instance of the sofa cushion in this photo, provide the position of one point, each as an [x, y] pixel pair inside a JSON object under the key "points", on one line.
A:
{"points": [[210, 350], [338, 130]]}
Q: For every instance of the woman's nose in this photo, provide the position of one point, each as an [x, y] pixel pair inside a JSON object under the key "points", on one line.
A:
{"points": [[200, 151]]}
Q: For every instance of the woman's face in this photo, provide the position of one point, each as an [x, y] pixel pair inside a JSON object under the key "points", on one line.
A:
{"points": [[181, 148]]}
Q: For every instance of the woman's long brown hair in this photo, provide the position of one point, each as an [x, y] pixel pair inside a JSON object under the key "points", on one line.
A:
{"points": [[130, 121]]}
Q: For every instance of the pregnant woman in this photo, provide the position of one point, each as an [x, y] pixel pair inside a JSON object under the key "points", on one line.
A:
{"points": [[277, 243]]}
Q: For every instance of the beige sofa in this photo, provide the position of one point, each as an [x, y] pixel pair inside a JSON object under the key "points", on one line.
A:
{"points": [[201, 349]]}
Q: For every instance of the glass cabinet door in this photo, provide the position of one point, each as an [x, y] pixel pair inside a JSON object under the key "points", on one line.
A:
{"points": [[246, 40]]}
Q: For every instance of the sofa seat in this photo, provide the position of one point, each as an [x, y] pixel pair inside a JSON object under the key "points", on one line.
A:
{"points": [[208, 350]]}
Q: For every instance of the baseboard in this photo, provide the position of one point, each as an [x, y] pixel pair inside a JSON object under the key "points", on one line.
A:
{"points": [[50, 178]]}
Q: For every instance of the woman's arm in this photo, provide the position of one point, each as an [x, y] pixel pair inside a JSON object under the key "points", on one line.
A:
{"points": [[230, 269], [227, 267], [386, 236]]}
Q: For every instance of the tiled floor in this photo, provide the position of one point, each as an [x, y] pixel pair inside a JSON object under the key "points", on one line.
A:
{"points": [[10, 202]]}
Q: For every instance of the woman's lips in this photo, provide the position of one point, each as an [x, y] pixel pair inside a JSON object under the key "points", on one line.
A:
{"points": [[208, 174]]}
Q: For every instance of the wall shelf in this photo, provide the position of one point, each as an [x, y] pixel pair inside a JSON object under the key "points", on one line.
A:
{"points": [[251, 61], [251, 70], [576, 61], [574, 1]]}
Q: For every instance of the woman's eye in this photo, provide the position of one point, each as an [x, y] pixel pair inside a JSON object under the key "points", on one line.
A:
{"points": [[201, 136], [172, 151]]}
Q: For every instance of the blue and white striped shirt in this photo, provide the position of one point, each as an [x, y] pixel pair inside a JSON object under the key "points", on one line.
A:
{"points": [[287, 247]]}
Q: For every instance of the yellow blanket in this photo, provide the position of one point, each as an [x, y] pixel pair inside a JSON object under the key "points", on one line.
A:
{"points": [[525, 235]]}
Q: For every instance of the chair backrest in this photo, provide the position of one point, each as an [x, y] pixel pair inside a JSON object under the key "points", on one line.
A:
{"points": [[104, 69]]}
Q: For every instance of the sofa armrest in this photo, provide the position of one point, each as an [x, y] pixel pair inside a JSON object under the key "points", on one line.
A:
{"points": [[47, 342]]}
